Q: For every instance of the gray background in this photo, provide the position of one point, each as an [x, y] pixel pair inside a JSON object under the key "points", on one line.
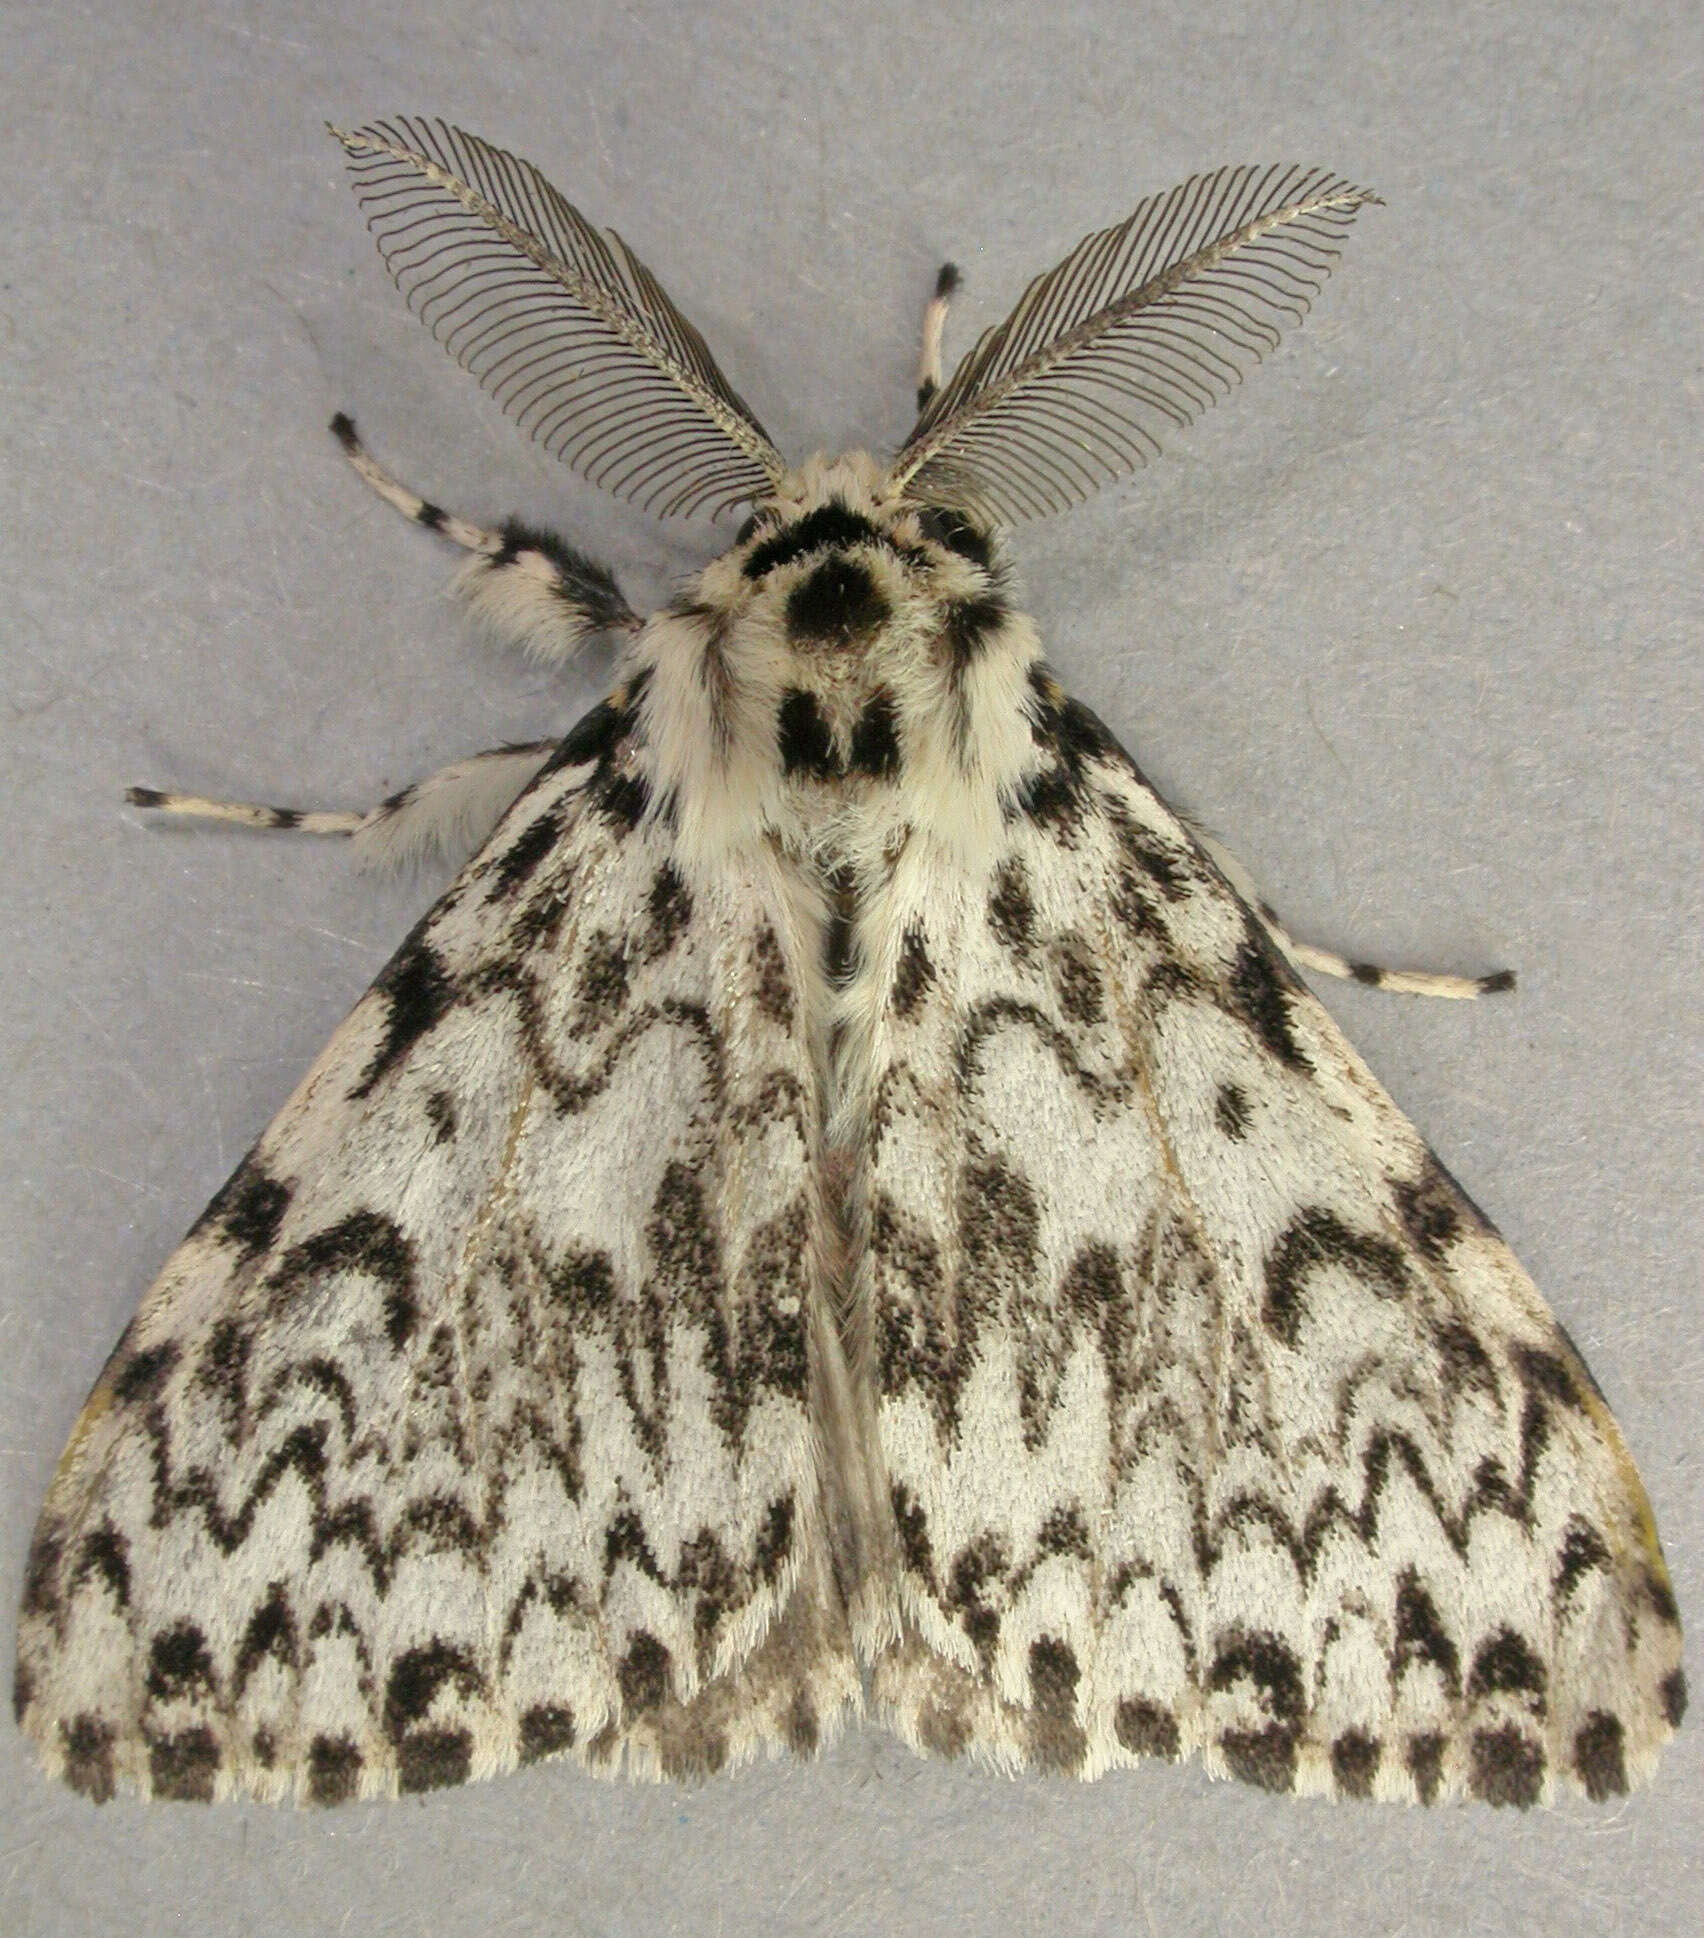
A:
{"points": [[1412, 622]]}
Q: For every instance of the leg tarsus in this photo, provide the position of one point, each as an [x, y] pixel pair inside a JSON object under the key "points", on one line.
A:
{"points": [[246, 814], [526, 587], [1327, 962], [934, 326], [447, 814], [471, 538]]}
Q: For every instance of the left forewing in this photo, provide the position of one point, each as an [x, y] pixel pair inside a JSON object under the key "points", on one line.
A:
{"points": [[470, 1425], [1216, 1418]]}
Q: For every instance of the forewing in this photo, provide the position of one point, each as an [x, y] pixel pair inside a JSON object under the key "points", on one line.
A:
{"points": [[470, 1425], [1216, 1418]]}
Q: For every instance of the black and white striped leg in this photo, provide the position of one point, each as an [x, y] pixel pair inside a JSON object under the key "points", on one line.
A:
{"points": [[934, 327], [1327, 962], [527, 587], [448, 814]]}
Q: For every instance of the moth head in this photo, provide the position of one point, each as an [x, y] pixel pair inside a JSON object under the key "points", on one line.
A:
{"points": [[834, 555], [858, 484], [1137, 331]]}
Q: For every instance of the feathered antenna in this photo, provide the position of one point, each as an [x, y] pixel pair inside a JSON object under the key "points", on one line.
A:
{"points": [[560, 321], [1140, 328]]}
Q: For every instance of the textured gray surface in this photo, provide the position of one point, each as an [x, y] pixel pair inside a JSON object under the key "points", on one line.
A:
{"points": [[1412, 621]]}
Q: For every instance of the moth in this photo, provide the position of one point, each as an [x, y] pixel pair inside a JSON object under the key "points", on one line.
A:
{"points": [[843, 1207]]}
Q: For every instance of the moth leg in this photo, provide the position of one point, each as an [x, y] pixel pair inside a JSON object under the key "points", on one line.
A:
{"points": [[449, 813], [934, 326], [1327, 962], [525, 586]]}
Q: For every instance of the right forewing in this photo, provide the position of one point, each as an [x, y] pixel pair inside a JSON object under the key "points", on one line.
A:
{"points": [[1216, 1418]]}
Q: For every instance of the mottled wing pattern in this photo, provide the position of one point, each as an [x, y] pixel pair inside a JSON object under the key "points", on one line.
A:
{"points": [[470, 1424], [1216, 1418]]}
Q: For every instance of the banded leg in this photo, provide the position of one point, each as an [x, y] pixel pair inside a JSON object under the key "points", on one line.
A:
{"points": [[526, 587], [1327, 962], [447, 814], [934, 327]]}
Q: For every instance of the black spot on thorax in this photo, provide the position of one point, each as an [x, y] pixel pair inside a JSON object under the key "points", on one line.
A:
{"points": [[802, 737], [841, 951], [875, 739], [839, 604]]}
